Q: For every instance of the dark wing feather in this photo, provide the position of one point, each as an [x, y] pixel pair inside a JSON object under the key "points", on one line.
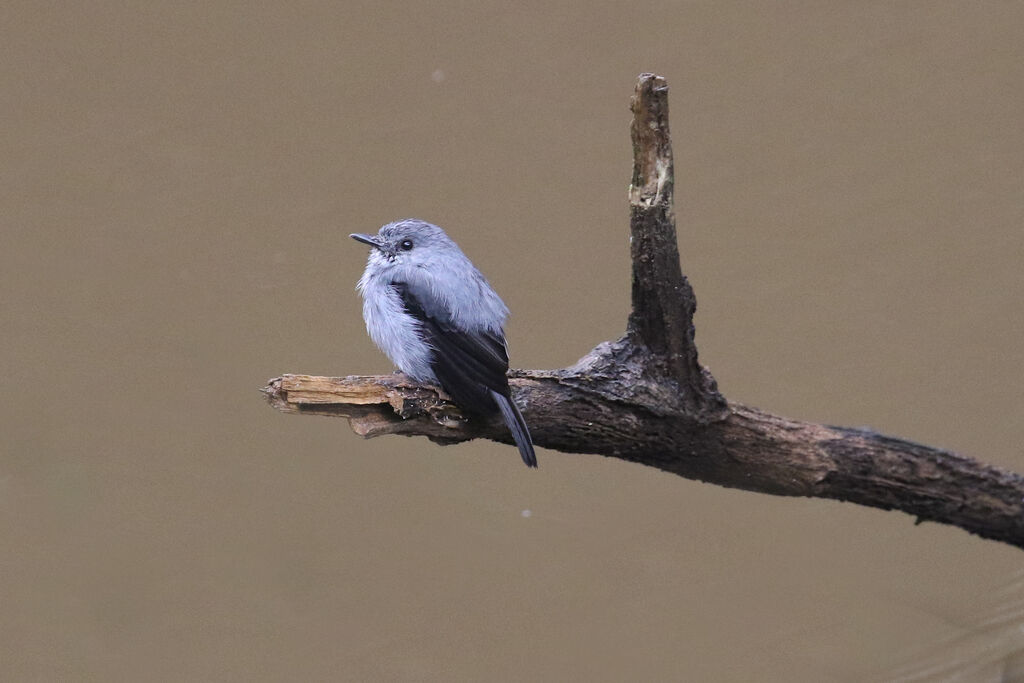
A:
{"points": [[471, 367]]}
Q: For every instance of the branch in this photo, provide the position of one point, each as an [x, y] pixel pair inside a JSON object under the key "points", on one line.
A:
{"points": [[578, 411], [646, 399], [661, 323]]}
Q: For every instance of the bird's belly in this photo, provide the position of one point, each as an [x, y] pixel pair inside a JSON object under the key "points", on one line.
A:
{"points": [[398, 335]]}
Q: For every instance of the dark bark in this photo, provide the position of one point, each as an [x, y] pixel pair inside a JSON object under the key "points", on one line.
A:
{"points": [[645, 398]]}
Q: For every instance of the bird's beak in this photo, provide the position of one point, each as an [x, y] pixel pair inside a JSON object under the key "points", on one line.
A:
{"points": [[366, 239]]}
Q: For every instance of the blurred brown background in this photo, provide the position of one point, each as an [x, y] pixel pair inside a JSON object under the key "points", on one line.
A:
{"points": [[177, 184]]}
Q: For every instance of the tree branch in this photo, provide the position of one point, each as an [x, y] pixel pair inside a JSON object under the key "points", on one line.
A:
{"points": [[645, 398], [660, 327]]}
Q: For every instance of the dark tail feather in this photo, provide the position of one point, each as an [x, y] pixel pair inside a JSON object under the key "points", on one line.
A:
{"points": [[517, 425]]}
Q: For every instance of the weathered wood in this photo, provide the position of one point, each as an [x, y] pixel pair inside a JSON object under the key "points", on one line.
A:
{"points": [[747, 448], [660, 326], [645, 398]]}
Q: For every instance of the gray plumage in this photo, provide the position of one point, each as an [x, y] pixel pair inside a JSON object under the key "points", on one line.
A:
{"points": [[435, 316]]}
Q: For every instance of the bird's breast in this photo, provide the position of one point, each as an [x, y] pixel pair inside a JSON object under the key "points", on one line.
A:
{"points": [[394, 331]]}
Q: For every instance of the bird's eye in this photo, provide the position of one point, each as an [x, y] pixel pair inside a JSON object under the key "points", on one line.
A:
{"points": [[406, 245]]}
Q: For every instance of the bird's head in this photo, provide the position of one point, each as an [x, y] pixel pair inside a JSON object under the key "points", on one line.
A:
{"points": [[409, 244]]}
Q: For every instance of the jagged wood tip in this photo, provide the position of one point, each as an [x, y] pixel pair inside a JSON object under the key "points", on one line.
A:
{"points": [[661, 319]]}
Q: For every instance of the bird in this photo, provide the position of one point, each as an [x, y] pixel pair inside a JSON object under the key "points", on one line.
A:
{"points": [[429, 309]]}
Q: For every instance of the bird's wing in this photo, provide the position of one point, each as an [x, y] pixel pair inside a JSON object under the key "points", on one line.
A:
{"points": [[468, 364]]}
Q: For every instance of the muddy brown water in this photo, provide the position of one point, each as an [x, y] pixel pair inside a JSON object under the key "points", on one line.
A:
{"points": [[177, 184]]}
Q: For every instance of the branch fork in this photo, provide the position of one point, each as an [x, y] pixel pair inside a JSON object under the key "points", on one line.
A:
{"points": [[646, 398]]}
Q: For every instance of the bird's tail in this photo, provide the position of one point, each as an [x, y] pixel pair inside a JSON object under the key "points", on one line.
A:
{"points": [[517, 425]]}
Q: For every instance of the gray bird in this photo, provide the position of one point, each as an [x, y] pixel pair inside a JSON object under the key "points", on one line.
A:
{"points": [[435, 316]]}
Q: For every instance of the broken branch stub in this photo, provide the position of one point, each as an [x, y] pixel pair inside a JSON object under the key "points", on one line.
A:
{"points": [[661, 321]]}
